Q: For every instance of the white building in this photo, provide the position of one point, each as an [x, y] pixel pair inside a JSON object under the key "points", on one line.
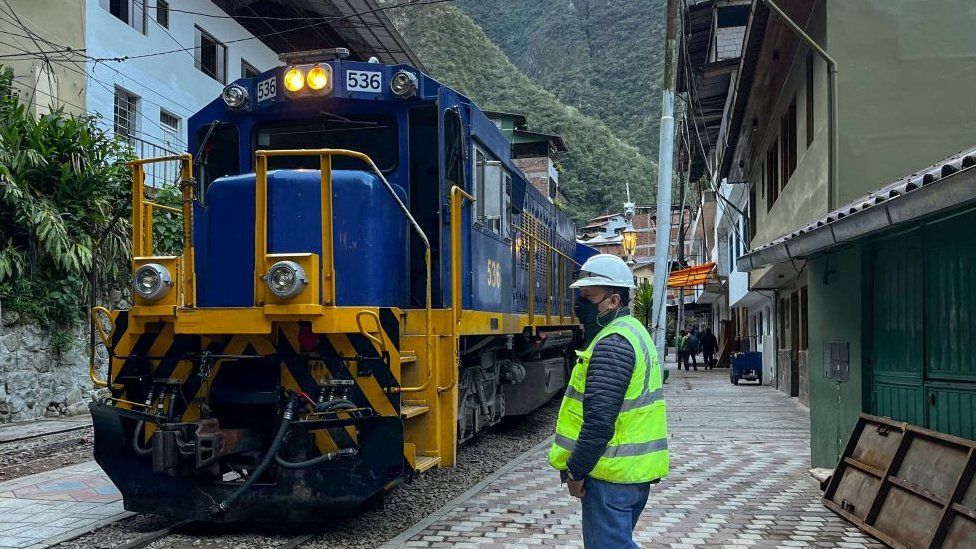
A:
{"points": [[149, 96], [143, 67]]}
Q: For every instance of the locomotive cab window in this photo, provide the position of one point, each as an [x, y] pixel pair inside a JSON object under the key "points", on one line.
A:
{"points": [[493, 193], [217, 156], [375, 137]]}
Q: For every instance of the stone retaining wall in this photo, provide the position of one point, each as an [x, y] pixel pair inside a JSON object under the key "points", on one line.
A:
{"points": [[36, 381]]}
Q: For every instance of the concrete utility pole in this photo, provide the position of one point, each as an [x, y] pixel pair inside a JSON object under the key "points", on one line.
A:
{"points": [[664, 167]]}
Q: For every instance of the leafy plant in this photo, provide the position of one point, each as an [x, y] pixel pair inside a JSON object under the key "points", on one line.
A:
{"points": [[62, 181], [168, 226], [643, 303]]}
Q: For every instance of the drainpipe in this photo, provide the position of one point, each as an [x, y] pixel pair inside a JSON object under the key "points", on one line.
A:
{"points": [[831, 100]]}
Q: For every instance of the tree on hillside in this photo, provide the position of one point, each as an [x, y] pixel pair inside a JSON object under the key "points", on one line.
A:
{"points": [[604, 57], [598, 165]]}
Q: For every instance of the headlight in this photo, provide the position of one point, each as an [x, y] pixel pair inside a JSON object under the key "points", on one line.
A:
{"points": [[235, 96], [404, 85], [286, 279], [318, 78], [294, 80], [151, 281]]}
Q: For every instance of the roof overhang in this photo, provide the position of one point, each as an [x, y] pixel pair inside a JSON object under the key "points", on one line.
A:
{"points": [[946, 186], [751, 46], [361, 26]]}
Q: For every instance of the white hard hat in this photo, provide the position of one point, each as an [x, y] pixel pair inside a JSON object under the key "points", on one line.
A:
{"points": [[605, 270]]}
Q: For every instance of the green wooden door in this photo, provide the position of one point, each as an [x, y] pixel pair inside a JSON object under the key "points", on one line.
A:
{"points": [[950, 325], [897, 325], [924, 327]]}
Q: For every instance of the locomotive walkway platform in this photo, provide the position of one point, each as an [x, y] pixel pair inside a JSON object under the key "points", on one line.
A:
{"points": [[45, 509], [739, 478]]}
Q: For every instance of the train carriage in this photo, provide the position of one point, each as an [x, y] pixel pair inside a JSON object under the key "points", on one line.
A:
{"points": [[366, 281]]}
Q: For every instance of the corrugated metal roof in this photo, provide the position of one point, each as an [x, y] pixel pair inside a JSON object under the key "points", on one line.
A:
{"points": [[361, 26]]}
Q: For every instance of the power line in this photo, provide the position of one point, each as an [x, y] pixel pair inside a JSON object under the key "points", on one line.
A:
{"points": [[108, 87], [711, 174], [330, 19], [298, 18]]}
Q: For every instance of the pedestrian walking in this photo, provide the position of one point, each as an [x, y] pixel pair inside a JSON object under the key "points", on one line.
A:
{"points": [[611, 438], [682, 346], [694, 347], [709, 345]]}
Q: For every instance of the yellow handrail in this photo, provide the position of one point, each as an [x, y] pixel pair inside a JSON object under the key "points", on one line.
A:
{"points": [[106, 339], [533, 240], [457, 195], [378, 340], [142, 212], [328, 265]]}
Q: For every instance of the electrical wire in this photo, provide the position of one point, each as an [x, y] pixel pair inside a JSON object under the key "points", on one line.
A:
{"points": [[696, 96], [330, 19]]}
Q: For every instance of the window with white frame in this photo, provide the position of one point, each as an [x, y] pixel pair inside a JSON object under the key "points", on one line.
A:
{"points": [[130, 12], [248, 70], [211, 56], [170, 123], [162, 13], [126, 114]]}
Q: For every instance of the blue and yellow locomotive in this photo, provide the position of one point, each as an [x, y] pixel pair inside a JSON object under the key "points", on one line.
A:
{"points": [[366, 281]]}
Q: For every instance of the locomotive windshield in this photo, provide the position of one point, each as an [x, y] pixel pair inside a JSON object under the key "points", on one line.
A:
{"points": [[373, 136]]}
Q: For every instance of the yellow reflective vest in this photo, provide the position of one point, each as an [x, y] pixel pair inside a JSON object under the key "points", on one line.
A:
{"points": [[638, 451]]}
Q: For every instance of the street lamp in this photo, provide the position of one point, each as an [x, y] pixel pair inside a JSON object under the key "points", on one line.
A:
{"points": [[630, 241]]}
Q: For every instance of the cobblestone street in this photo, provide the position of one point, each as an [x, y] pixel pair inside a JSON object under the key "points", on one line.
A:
{"points": [[739, 462]]}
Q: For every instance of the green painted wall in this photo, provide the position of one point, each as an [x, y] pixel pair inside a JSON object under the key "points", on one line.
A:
{"points": [[835, 314], [906, 74]]}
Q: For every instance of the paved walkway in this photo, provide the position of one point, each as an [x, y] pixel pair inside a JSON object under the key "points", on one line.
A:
{"points": [[739, 461], [41, 510]]}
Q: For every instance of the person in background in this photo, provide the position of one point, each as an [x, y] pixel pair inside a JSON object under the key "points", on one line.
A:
{"points": [[709, 345], [694, 347], [682, 347], [611, 439]]}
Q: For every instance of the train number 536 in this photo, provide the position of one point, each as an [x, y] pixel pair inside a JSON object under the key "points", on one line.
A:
{"points": [[494, 274]]}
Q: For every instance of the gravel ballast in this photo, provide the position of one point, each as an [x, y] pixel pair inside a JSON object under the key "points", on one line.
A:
{"points": [[369, 528], [44, 453]]}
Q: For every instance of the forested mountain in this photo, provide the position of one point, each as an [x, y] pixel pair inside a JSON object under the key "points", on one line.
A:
{"points": [[456, 51], [604, 57]]}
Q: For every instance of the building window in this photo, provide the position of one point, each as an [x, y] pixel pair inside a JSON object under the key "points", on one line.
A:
{"points": [[248, 70], [772, 175], [130, 12], [787, 137], [162, 13], [211, 56], [126, 113], [169, 121], [809, 99]]}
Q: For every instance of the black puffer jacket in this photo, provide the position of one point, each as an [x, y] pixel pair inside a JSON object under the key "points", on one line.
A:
{"points": [[611, 367]]}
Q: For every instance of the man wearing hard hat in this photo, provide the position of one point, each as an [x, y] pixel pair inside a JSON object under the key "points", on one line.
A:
{"points": [[611, 436]]}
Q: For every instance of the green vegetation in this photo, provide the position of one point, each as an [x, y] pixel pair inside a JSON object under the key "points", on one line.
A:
{"points": [[61, 182], [604, 57], [642, 302], [456, 51]]}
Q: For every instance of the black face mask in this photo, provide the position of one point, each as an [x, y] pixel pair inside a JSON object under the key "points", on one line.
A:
{"points": [[588, 314]]}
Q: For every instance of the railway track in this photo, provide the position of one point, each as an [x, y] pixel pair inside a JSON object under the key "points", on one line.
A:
{"points": [[403, 507], [175, 528]]}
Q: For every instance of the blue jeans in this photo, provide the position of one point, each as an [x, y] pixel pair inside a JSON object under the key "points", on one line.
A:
{"points": [[610, 513]]}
